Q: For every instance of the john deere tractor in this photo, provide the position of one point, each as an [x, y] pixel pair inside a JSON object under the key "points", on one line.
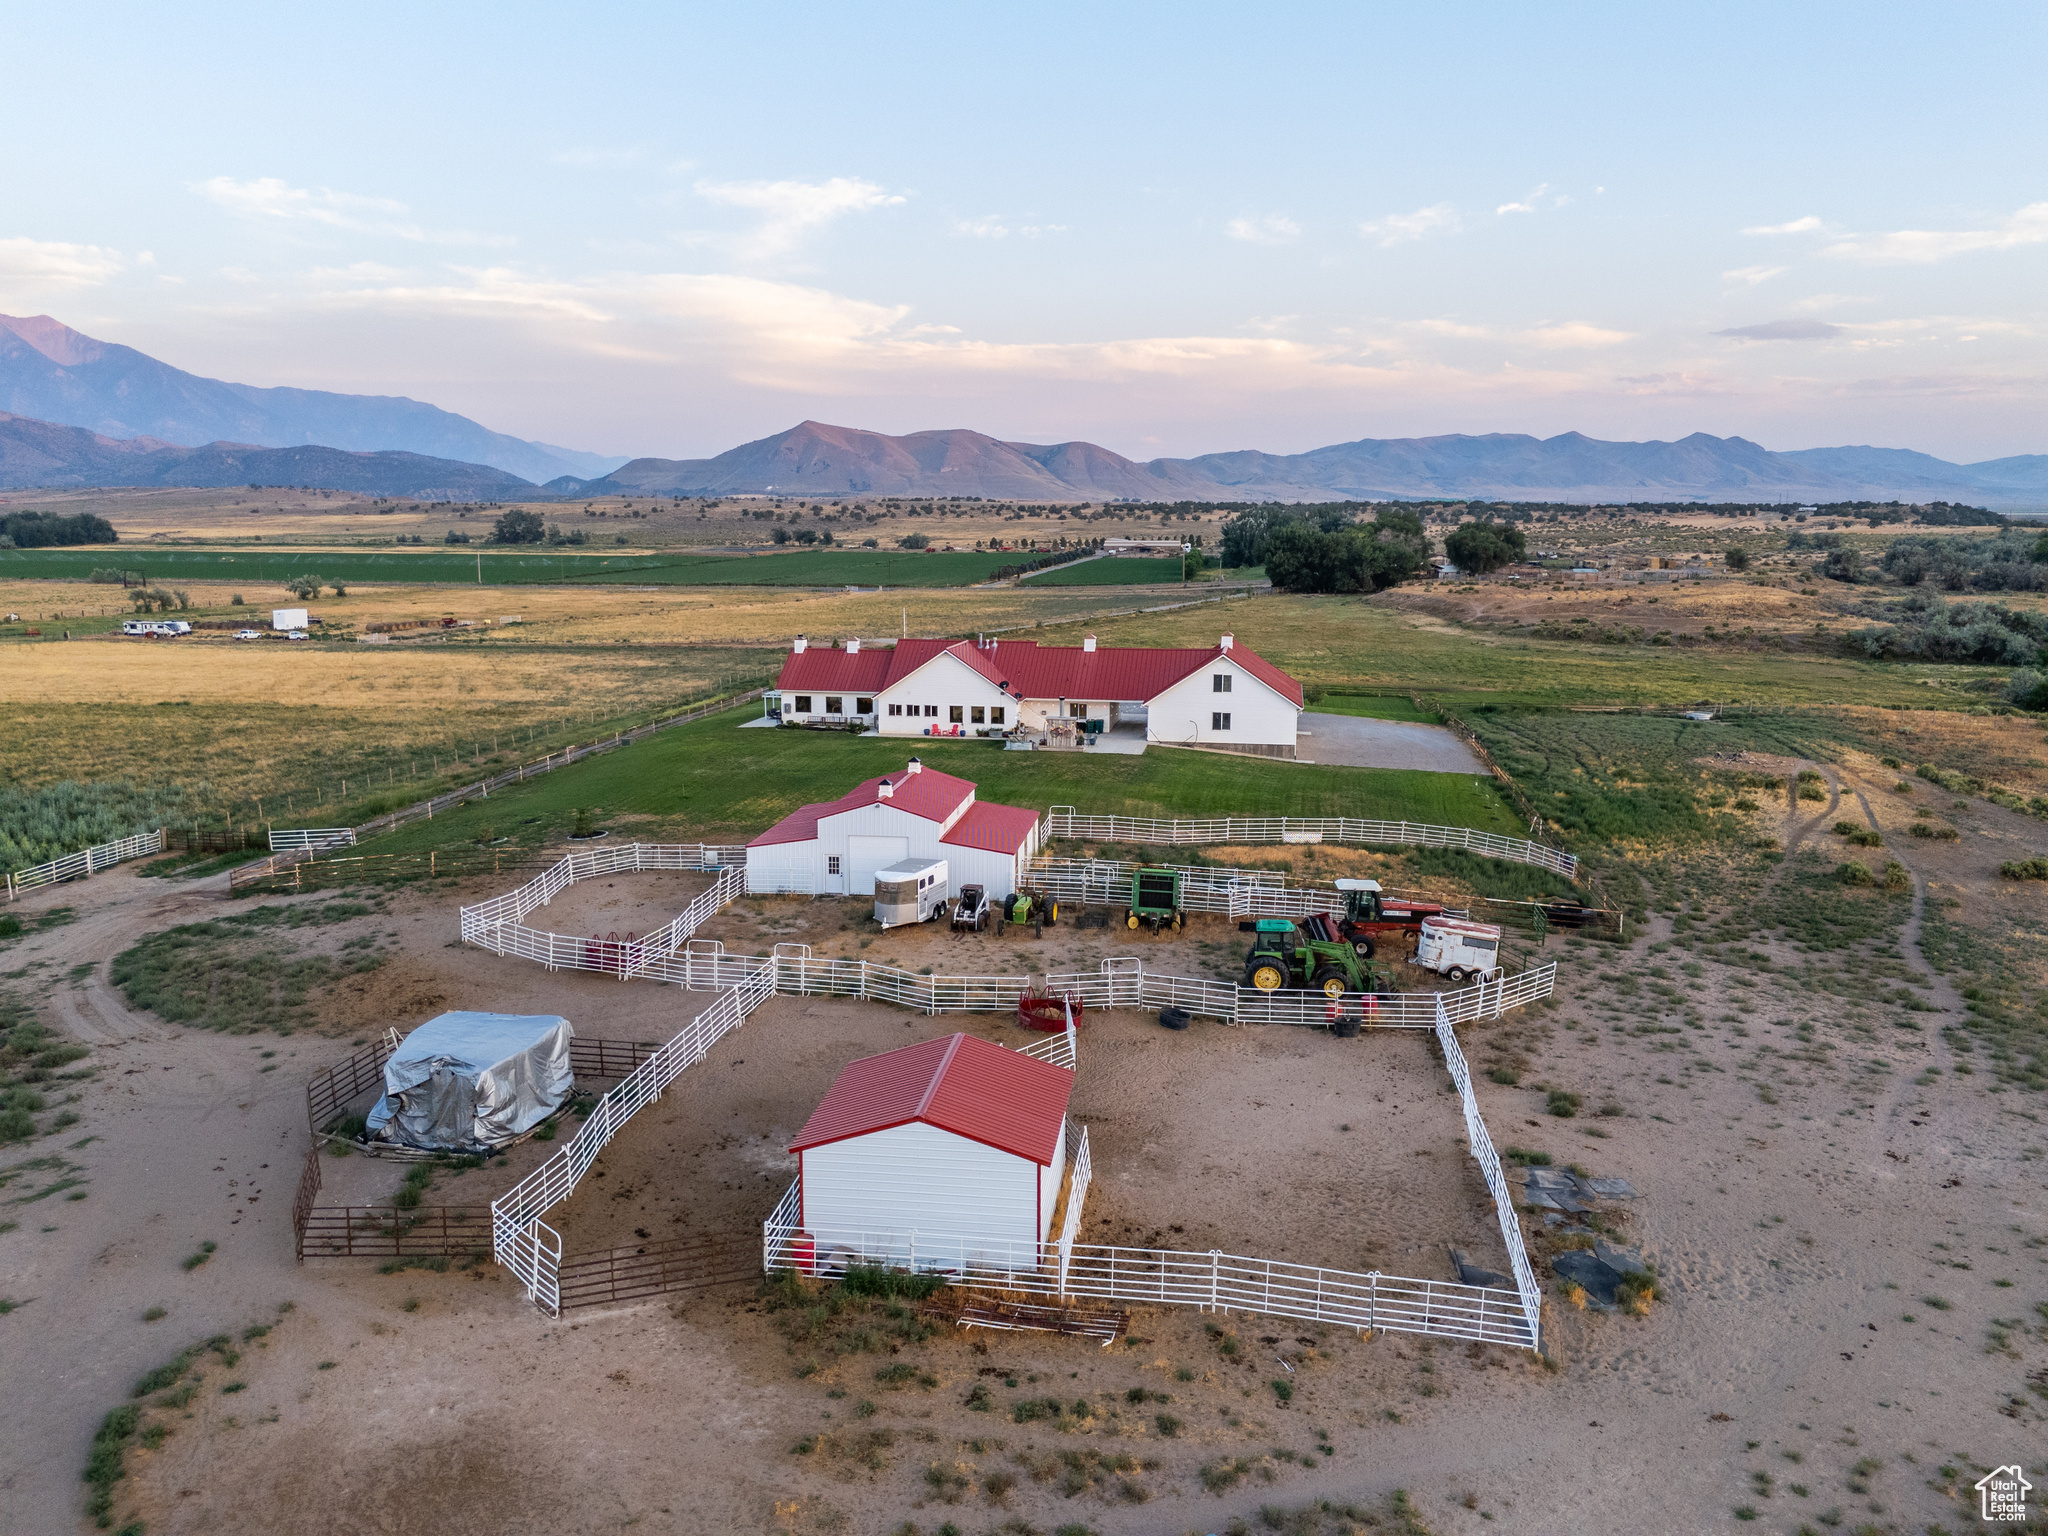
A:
{"points": [[1312, 955]]}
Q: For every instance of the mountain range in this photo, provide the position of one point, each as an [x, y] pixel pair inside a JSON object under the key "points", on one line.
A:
{"points": [[75, 411], [814, 459], [52, 373], [47, 454]]}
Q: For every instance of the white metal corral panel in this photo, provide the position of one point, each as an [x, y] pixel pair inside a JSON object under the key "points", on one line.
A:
{"points": [[865, 854], [917, 1177]]}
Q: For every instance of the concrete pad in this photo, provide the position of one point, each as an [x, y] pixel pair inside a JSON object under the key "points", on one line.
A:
{"points": [[1356, 742]]}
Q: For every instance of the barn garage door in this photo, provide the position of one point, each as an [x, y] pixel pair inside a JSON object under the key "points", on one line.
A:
{"points": [[865, 855]]}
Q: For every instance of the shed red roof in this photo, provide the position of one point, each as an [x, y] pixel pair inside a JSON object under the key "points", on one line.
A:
{"points": [[958, 1083], [926, 793], [998, 828], [1029, 670]]}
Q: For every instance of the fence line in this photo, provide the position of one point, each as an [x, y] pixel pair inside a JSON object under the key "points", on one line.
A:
{"points": [[1481, 1142], [1212, 1281], [1065, 821], [309, 839], [87, 861]]}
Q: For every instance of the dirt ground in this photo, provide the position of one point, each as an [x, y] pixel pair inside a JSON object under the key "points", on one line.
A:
{"points": [[1851, 1236]]}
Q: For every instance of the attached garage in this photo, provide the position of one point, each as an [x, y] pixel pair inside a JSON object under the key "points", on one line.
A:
{"points": [[947, 1151]]}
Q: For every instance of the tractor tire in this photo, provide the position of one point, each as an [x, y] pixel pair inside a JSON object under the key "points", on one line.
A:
{"points": [[1174, 926], [1266, 977], [1363, 948], [1457, 975], [1131, 921], [1175, 1018], [1052, 912], [1330, 981]]}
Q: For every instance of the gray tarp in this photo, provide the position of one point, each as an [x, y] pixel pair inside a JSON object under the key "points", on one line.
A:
{"points": [[466, 1081]]}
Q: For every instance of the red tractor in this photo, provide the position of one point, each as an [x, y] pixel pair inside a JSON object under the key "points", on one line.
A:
{"points": [[1369, 920]]}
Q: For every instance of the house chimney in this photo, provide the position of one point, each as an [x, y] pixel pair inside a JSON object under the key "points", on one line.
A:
{"points": [[917, 765], [1225, 642], [1088, 643], [801, 643], [885, 790], [853, 646]]}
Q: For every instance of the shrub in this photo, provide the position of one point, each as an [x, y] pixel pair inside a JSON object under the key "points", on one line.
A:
{"points": [[1564, 1105], [103, 1463], [2024, 869], [1811, 791], [1854, 874], [1896, 876]]}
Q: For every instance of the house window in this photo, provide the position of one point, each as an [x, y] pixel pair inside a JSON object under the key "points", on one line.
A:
{"points": [[995, 715], [831, 863], [954, 714], [1220, 683], [1219, 721], [864, 706], [831, 704], [895, 709], [803, 703], [931, 711], [980, 715], [1078, 711]]}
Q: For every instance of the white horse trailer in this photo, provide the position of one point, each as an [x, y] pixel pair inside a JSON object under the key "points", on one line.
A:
{"points": [[911, 891]]}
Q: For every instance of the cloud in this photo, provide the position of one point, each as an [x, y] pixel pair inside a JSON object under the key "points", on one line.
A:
{"points": [[1574, 333], [990, 228], [1795, 227], [1752, 275], [1268, 229], [1821, 301], [791, 209], [2029, 226], [55, 264], [1528, 203], [1783, 330], [1396, 228], [269, 198]]}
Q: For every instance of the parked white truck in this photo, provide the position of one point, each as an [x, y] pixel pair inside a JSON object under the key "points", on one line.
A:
{"points": [[1459, 949]]}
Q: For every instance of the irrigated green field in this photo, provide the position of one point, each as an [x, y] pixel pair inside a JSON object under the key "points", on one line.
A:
{"points": [[719, 783]]}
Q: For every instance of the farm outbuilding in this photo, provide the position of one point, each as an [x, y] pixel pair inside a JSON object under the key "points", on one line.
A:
{"points": [[834, 849], [913, 1149]]}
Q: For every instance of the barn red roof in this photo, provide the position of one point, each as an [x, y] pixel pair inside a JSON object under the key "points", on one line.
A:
{"points": [[958, 1083], [927, 793], [997, 828], [1029, 670]]}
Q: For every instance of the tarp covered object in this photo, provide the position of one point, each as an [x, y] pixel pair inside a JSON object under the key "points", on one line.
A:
{"points": [[469, 1081]]}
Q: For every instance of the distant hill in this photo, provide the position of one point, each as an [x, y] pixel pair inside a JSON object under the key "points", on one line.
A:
{"points": [[814, 459], [45, 454], [52, 373]]}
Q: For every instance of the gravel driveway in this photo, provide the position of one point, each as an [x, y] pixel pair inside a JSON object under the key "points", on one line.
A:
{"points": [[1360, 743]]}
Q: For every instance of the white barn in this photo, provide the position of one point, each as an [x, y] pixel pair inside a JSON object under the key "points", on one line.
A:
{"points": [[950, 1138], [1224, 697], [835, 848]]}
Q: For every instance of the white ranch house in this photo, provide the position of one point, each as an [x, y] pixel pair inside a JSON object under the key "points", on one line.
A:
{"points": [[834, 849], [1226, 697]]}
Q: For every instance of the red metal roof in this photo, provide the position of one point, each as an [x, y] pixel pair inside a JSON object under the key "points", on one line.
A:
{"points": [[928, 793], [958, 1083], [1029, 670], [998, 828]]}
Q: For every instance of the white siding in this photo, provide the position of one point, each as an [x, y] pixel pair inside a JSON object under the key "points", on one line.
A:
{"points": [[917, 1178], [784, 869], [942, 683], [995, 873], [1182, 715], [1049, 1183]]}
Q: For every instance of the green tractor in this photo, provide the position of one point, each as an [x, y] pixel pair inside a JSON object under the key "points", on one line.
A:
{"points": [[1312, 955]]}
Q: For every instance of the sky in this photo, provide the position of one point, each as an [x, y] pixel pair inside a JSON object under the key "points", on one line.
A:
{"points": [[1168, 229]]}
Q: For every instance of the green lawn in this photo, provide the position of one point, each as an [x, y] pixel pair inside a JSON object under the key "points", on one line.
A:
{"points": [[713, 781], [1114, 571], [1375, 706]]}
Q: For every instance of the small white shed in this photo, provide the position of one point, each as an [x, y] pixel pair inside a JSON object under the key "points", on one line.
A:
{"points": [[947, 1150]]}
